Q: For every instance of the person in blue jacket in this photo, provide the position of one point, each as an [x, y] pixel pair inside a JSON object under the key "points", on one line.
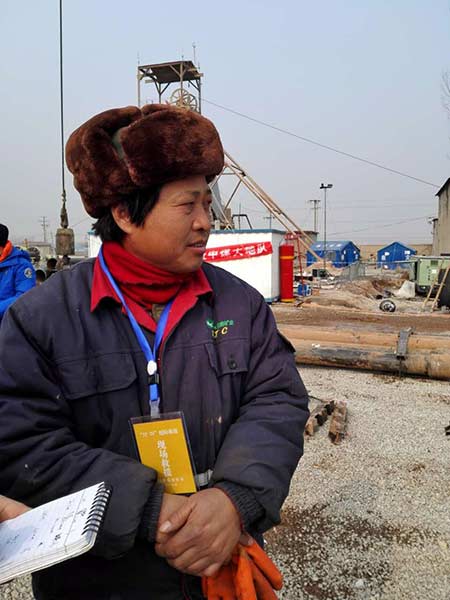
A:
{"points": [[17, 275]]}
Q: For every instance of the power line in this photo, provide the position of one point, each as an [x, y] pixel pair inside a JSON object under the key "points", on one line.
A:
{"points": [[81, 221], [337, 207], [382, 221], [61, 95], [381, 225], [259, 212], [64, 220], [310, 141]]}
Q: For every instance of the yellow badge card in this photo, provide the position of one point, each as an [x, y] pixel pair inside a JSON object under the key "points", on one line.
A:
{"points": [[163, 446]]}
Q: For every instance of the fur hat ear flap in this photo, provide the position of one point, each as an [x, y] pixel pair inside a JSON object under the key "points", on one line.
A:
{"points": [[100, 174], [126, 149]]}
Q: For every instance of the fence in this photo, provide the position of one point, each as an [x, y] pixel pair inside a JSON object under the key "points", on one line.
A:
{"points": [[354, 271], [370, 268]]}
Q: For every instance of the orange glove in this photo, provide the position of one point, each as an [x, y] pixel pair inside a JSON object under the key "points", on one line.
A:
{"points": [[250, 575], [221, 585], [256, 574], [263, 563]]}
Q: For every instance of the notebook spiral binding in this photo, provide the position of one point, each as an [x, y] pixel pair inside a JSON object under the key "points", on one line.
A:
{"points": [[97, 512]]}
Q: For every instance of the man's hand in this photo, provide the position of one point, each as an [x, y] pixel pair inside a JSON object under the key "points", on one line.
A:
{"points": [[207, 528], [10, 508], [171, 503]]}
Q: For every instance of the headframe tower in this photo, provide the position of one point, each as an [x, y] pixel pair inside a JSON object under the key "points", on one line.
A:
{"points": [[188, 95]]}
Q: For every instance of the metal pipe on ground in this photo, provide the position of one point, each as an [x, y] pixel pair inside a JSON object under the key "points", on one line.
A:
{"points": [[424, 355]]}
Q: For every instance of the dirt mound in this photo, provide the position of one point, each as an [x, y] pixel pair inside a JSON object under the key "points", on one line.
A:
{"points": [[390, 282], [373, 287], [360, 287], [361, 294], [341, 299]]}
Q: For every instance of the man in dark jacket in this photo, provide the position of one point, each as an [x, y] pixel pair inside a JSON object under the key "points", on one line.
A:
{"points": [[75, 369], [16, 271]]}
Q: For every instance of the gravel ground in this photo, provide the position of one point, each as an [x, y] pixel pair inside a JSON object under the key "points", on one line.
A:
{"points": [[368, 519], [407, 315]]}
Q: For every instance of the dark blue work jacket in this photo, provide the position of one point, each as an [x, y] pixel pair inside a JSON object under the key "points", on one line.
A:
{"points": [[70, 380]]}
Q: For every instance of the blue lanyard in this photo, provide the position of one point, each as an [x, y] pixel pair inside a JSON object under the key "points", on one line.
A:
{"points": [[150, 355]]}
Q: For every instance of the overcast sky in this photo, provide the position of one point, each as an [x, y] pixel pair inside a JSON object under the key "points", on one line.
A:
{"points": [[361, 77]]}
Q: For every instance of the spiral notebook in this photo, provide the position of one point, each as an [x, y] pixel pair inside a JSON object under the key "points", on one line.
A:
{"points": [[53, 532]]}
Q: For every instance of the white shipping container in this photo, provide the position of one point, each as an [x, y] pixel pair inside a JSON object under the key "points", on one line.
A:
{"points": [[260, 271]]}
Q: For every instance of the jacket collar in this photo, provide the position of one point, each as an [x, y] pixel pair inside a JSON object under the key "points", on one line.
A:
{"points": [[190, 292]]}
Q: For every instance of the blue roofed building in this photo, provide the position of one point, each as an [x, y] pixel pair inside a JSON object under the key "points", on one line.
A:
{"points": [[339, 253], [394, 255]]}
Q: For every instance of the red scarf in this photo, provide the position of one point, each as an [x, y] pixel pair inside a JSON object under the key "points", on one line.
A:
{"points": [[139, 280], [7, 249]]}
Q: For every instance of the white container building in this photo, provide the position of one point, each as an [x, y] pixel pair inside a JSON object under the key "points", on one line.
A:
{"points": [[251, 254]]}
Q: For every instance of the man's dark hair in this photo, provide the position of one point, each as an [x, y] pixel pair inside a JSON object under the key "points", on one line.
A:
{"points": [[4, 234], [138, 206]]}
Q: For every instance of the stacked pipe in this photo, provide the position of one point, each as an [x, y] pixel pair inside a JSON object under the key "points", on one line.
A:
{"points": [[422, 354]]}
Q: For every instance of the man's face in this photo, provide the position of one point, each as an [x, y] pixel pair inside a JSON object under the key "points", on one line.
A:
{"points": [[175, 232]]}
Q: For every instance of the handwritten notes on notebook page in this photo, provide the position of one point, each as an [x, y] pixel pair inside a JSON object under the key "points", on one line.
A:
{"points": [[51, 533]]}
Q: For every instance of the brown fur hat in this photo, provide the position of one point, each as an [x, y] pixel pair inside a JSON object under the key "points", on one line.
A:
{"points": [[126, 149]]}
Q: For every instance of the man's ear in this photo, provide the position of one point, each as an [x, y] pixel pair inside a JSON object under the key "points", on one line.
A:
{"points": [[121, 216]]}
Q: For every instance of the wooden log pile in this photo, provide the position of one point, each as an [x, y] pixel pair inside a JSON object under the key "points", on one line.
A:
{"points": [[318, 417], [406, 352], [338, 422]]}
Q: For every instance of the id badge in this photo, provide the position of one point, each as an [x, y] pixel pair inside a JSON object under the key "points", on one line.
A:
{"points": [[162, 443]]}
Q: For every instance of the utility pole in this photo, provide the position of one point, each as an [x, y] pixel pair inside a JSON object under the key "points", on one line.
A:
{"points": [[315, 210], [44, 224], [269, 218], [325, 187]]}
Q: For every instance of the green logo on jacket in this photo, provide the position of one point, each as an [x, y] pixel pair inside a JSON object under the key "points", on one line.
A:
{"points": [[219, 328]]}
